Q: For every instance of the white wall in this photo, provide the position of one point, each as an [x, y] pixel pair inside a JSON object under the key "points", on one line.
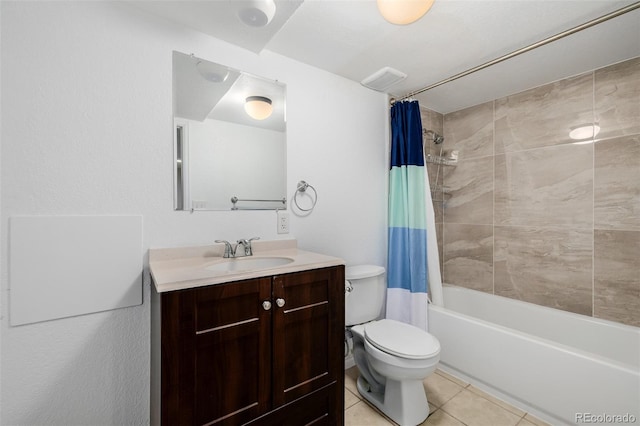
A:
{"points": [[258, 175], [87, 129]]}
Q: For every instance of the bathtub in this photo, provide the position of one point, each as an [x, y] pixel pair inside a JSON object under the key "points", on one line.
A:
{"points": [[564, 368]]}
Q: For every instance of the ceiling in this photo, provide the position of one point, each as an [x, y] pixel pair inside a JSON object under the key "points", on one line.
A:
{"points": [[351, 39]]}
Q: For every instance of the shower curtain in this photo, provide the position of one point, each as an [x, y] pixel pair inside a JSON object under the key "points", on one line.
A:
{"points": [[407, 275]]}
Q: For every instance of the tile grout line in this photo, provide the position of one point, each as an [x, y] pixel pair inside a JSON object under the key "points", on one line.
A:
{"points": [[593, 200], [525, 413], [493, 215], [521, 417]]}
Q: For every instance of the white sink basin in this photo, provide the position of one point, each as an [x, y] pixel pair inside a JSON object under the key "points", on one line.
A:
{"points": [[248, 264]]}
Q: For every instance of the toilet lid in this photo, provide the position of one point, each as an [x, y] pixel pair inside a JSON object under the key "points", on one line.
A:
{"points": [[400, 339]]}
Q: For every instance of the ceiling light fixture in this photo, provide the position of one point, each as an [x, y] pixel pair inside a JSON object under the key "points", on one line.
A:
{"points": [[257, 13], [584, 131], [258, 107], [212, 72], [403, 12]]}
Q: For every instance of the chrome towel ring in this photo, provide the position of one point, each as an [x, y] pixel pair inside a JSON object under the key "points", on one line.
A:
{"points": [[302, 188]]}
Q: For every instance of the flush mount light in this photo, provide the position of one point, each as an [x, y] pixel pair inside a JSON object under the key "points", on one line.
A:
{"points": [[584, 131], [258, 107], [212, 72], [257, 13], [403, 12]]}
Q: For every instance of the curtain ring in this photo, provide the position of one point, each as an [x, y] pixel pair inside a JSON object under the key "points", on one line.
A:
{"points": [[302, 187]]}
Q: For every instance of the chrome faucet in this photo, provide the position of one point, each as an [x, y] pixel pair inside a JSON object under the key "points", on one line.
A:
{"points": [[230, 251], [248, 251]]}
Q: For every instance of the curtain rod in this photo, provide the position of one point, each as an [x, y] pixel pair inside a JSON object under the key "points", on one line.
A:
{"points": [[520, 51]]}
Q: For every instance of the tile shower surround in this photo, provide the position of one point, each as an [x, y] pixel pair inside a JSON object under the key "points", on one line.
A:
{"points": [[533, 216]]}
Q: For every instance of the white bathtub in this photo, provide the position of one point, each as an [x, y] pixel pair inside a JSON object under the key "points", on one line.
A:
{"points": [[563, 367]]}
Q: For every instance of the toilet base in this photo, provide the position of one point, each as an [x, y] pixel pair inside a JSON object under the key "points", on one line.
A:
{"points": [[403, 402]]}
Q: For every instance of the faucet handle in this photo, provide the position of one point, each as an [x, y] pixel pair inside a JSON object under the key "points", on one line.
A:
{"points": [[228, 249], [248, 251], [247, 241]]}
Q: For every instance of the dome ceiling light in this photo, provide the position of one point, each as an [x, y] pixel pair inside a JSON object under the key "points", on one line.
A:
{"points": [[257, 13], [258, 107], [403, 12], [212, 72]]}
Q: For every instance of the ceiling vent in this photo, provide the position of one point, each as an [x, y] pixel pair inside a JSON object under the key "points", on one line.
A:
{"points": [[381, 80]]}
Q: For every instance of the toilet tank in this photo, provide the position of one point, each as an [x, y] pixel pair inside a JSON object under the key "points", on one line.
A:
{"points": [[365, 302]]}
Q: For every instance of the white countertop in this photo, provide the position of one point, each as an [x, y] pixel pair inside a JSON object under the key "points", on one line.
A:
{"points": [[185, 267]]}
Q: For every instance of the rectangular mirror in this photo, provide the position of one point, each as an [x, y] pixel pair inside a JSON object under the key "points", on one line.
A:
{"points": [[229, 138]]}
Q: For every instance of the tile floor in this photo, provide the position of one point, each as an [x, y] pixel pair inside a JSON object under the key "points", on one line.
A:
{"points": [[452, 403]]}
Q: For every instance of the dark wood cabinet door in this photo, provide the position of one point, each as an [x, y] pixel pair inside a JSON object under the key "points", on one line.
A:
{"points": [[308, 334], [233, 352], [225, 354]]}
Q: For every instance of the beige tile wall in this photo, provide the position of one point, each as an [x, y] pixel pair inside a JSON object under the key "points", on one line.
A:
{"points": [[533, 216]]}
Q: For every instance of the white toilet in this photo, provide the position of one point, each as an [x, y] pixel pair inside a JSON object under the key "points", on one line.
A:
{"points": [[393, 357]]}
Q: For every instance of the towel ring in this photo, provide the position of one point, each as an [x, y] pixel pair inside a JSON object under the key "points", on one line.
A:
{"points": [[302, 187]]}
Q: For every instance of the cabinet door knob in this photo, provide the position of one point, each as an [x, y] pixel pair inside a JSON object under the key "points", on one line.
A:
{"points": [[280, 302], [266, 305]]}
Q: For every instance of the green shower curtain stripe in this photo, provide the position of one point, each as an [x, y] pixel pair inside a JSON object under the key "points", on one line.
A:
{"points": [[404, 210]]}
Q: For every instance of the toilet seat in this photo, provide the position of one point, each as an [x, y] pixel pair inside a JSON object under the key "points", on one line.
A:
{"points": [[401, 340]]}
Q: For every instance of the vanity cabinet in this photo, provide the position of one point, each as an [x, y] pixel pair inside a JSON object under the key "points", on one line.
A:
{"points": [[262, 351]]}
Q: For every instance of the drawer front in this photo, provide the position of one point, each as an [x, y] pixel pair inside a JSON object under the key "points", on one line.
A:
{"points": [[319, 408]]}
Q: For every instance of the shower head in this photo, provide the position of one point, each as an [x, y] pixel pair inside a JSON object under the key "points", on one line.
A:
{"points": [[436, 138]]}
